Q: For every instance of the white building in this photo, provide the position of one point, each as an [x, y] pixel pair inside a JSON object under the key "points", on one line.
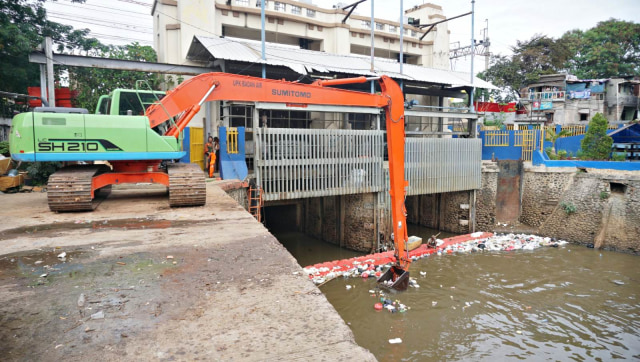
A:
{"points": [[298, 23]]}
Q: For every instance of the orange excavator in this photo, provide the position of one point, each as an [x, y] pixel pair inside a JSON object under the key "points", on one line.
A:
{"points": [[231, 87]]}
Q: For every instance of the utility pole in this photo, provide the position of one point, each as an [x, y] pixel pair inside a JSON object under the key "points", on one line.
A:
{"points": [[373, 26], [480, 48], [485, 36], [401, 35], [262, 34], [473, 42]]}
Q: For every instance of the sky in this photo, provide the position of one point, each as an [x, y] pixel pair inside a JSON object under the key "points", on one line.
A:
{"points": [[125, 21]]}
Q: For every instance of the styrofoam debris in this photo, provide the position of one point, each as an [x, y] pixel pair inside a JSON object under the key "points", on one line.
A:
{"points": [[62, 255], [395, 341]]}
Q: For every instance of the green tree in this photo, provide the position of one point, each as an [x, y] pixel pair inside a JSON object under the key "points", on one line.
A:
{"points": [[531, 59], [23, 26], [611, 48], [552, 136], [596, 144], [91, 83]]}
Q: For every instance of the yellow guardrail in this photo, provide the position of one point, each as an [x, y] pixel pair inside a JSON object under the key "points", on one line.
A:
{"points": [[232, 140], [196, 146], [496, 138]]}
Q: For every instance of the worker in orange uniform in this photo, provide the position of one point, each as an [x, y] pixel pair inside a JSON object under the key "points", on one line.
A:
{"points": [[216, 150], [208, 153]]}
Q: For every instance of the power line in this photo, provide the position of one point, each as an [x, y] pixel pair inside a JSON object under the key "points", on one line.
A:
{"points": [[111, 26], [104, 11], [79, 19], [136, 2]]}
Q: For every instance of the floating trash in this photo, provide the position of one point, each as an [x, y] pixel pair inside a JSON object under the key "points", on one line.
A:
{"points": [[395, 341], [376, 264]]}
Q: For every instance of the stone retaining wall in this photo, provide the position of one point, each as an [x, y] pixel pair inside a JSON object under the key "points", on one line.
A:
{"points": [[606, 216], [542, 191], [609, 219], [486, 197], [447, 211]]}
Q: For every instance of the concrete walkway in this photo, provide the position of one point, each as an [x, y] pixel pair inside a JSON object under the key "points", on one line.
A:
{"points": [[141, 281]]}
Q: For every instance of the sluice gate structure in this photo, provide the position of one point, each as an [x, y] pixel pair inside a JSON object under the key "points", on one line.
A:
{"points": [[337, 180]]}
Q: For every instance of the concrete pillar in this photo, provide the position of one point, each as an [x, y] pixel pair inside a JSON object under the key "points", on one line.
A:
{"points": [[48, 50]]}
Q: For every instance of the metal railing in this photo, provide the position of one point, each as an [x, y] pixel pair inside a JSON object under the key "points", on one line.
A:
{"points": [[434, 165], [548, 96], [496, 138], [296, 163]]}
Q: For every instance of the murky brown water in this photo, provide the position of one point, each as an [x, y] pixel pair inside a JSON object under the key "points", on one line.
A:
{"points": [[547, 304]]}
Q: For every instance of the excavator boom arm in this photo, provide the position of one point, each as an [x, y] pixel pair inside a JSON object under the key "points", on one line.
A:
{"points": [[232, 87]]}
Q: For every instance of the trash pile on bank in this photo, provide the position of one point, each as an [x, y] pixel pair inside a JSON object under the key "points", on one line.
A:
{"points": [[376, 264]]}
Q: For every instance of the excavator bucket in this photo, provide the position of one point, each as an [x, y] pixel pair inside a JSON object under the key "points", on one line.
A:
{"points": [[395, 278]]}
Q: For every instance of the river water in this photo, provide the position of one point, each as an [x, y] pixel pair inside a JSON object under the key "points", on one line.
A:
{"points": [[569, 303]]}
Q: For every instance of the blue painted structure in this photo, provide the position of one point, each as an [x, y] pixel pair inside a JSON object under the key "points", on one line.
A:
{"points": [[186, 145], [541, 159], [232, 165], [570, 144], [510, 152]]}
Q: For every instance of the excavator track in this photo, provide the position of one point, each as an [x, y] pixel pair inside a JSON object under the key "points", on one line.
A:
{"points": [[186, 185], [69, 189]]}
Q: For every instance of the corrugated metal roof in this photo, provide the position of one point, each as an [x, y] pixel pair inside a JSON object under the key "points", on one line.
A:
{"points": [[304, 61]]}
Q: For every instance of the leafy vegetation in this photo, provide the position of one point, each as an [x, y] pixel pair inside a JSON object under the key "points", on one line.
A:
{"points": [[604, 195], [39, 172], [596, 145], [568, 207], [4, 148], [91, 83], [23, 26], [611, 48], [551, 135]]}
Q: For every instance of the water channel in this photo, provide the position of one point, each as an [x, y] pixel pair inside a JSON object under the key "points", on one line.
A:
{"points": [[546, 304]]}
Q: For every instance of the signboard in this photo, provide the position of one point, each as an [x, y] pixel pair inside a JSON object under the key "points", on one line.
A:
{"points": [[539, 106]]}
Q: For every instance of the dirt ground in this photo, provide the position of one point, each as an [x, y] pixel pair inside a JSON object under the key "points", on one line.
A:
{"points": [[141, 281]]}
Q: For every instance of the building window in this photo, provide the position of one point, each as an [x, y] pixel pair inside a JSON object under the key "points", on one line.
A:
{"points": [[259, 3], [278, 6], [310, 26], [413, 33], [296, 10], [393, 28], [366, 24], [319, 27], [379, 26], [242, 2], [311, 13]]}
